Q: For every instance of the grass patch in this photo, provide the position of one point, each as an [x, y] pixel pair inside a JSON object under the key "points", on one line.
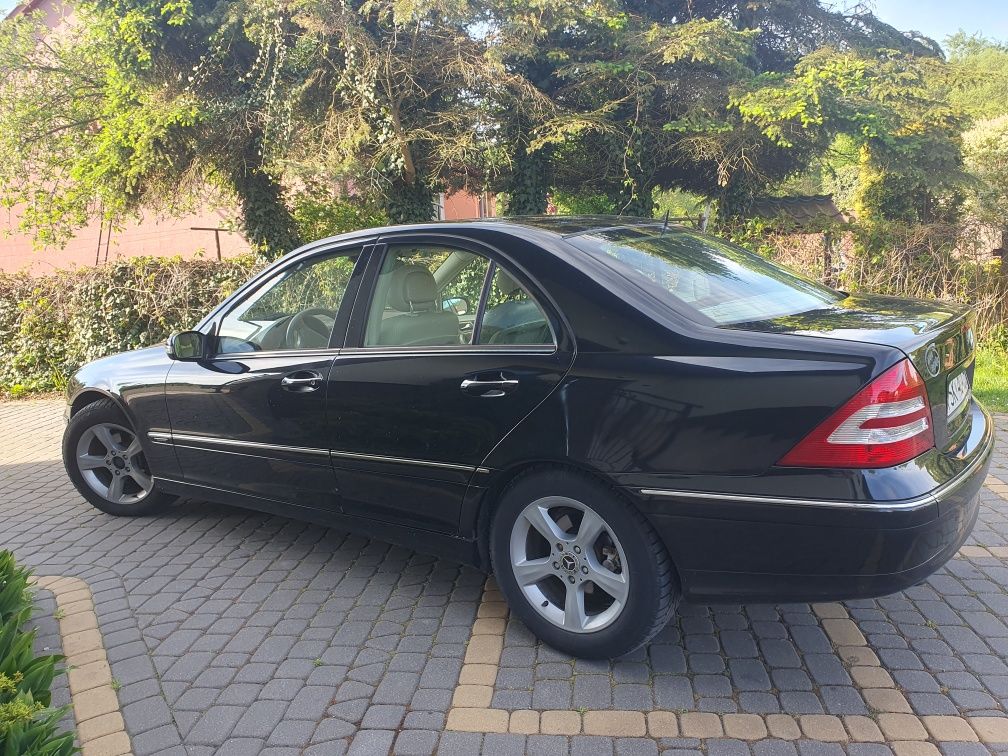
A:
{"points": [[990, 382]]}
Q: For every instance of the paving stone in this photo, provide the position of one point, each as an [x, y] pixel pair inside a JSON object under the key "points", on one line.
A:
{"points": [[636, 747], [546, 745], [292, 733], [591, 746], [369, 742], [415, 743], [272, 636], [770, 747]]}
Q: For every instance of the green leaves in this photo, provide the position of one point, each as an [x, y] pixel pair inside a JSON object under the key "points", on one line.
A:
{"points": [[51, 325], [28, 727], [891, 104]]}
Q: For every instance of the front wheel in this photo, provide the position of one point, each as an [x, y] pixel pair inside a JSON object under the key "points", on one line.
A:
{"points": [[580, 566], [106, 463]]}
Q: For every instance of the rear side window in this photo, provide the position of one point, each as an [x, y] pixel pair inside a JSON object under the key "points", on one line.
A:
{"points": [[720, 281]]}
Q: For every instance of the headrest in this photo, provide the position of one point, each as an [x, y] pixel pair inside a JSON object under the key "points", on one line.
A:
{"points": [[411, 289], [505, 283]]}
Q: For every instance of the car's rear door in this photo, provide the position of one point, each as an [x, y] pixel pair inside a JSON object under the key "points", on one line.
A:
{"points": [[417, 400], [251, 417]]}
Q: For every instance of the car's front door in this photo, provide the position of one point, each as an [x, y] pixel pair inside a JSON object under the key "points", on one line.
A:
{"points": [[447, 351], [251, 418]]}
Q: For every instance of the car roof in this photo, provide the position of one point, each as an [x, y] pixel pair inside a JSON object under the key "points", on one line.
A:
{"points": [[560, 226]]}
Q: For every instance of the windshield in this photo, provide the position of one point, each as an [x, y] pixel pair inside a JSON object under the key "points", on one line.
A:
{"points": [[725, 283]]}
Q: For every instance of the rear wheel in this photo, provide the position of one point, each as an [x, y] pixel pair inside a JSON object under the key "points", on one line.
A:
{"points": [[580, 566], [106, 463]]}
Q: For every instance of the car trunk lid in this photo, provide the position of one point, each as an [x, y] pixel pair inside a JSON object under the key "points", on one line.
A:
{"points": [[936, 336]]}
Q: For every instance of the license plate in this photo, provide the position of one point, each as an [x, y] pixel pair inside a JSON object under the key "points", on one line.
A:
{"points": [[958, 394]]}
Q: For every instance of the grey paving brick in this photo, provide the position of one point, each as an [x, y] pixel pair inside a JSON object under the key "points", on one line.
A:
{"points": [[396, 688], [383, 717], [815, 748], [215, 725], [868, 749], [240, 747], [592, 691], [147, 714], [771, 747], [309, 703], [636, 747], [415, 743], [271, 636], [369, 742], [552, 694], [504, 744], [460, 744], [749, 674], [154, 741], [424, 720], [295, 734], [547, 745], [726, 747]]}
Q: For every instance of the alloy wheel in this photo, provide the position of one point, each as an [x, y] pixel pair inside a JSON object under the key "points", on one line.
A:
{"points": [[112, 463], [569, 564]]}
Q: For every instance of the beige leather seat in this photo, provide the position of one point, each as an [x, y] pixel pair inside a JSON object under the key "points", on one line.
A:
{"points": [[412, 292]]}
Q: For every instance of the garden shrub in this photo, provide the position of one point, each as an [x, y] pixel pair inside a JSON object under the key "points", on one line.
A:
{"points": [[28, 723], [921, 261], [51, 325]]}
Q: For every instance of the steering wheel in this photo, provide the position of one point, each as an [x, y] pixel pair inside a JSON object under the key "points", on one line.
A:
{"points": [[307, 330]]}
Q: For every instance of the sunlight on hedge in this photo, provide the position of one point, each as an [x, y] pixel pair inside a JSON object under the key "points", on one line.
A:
{"points": [[51, 325]]}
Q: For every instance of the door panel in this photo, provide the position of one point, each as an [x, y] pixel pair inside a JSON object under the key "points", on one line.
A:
{"points": [[415, 413], [408, 415], [252, 418], [236, 426]]}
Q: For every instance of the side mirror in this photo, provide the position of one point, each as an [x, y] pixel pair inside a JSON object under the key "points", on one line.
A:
{"points": [[187, 346], [457, 305]]}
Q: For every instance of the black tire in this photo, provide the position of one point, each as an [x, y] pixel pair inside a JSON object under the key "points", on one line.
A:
{"points": [[97, 413], [652, 593]]}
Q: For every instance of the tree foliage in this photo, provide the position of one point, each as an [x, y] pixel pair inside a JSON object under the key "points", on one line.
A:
{"points": [[149, 102], [985, 148], [890, 103], [140, 104], [978, 76]]}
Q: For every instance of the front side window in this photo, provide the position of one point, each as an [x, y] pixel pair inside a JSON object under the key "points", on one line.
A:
{"points": [[296, 310], [725, 283]]}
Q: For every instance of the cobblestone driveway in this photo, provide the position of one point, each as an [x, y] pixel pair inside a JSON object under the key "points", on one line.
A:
{"points": [[238, 633]]}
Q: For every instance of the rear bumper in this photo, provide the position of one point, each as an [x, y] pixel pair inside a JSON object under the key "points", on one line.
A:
{"points": [[743, 547]]}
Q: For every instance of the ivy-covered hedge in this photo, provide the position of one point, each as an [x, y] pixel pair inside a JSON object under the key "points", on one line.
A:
{"points": [[28, 723], [51, 325]]}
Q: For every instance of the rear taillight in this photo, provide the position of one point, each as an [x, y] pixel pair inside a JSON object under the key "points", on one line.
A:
{"points": [[886, 423]]}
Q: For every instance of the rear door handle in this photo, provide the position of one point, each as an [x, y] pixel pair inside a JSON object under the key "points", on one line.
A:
{"points": [[301, 381], [489, 389]]}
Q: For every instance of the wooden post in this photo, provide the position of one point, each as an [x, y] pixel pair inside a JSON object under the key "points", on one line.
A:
{"points": [[828, 258], [216, 233]]}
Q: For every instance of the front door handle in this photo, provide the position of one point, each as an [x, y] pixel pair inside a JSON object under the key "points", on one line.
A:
{"points": [[489, 389], [302, 381]]}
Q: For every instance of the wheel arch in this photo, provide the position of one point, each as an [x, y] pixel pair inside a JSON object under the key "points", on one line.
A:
{"points": [[90, 395], [491, 495]]}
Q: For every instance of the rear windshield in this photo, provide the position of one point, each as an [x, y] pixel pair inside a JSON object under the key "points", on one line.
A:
{"points": [[718, 280]]}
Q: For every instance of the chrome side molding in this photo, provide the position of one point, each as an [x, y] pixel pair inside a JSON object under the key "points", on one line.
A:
{"points": [[904, 505], [185, 439], [408, 461], [897, 506]]}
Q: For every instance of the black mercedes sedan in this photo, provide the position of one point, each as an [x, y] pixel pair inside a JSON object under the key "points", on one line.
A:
{"points": [[610, 414]]}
